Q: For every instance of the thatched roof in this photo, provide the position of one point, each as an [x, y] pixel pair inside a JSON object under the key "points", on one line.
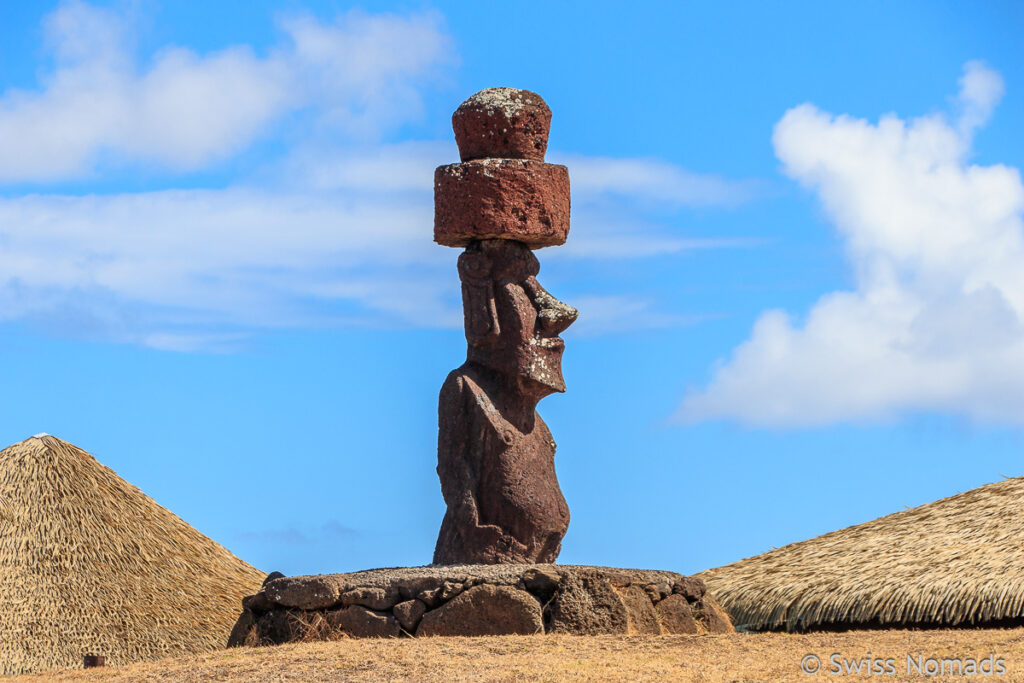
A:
{"points": [[957, 561], [90, 564]]}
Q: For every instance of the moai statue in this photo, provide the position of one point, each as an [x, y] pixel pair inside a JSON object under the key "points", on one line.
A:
{"points": [[495, 454]]}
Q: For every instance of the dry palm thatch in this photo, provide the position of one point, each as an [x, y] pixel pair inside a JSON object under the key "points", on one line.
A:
{"points": [[956, 562], [90, 564]]}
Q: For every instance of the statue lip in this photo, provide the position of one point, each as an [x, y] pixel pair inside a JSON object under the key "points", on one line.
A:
{"points": [[555, 343]]}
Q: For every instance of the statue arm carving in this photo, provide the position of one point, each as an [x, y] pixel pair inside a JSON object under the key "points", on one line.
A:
{"points": [[458, 430]]}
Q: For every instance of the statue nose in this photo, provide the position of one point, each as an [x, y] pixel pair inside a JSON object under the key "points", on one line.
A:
{"points": [[553, 316]]}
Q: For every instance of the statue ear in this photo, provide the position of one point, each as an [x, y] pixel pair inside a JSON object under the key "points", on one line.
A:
{"points": [[478, 306]]}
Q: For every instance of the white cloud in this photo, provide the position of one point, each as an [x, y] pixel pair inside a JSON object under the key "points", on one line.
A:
{"points": [[238, 257], [611, 199], [604, 314], [654, 180], [365, 71], [400, 167], [937, 245], [628, 235], [360, 75], [336, 232], [334, 239], [981, 89]]}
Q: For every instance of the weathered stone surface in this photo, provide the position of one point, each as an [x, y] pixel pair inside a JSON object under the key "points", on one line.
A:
{"points": [[304, 592], [359, 622], [640, 616], [432, 597], [587, 605], [372, 597], [502, 122], [411, 580], [658, 591], [411, 587], [240, 632], [572, 599], [409, 614], [282, 626], [690, 587], [513, 199], [485, 611], [542, 583], [449, 589], [258, 603], [676, 615], [713, 617], [271, 576], [495, 454]]}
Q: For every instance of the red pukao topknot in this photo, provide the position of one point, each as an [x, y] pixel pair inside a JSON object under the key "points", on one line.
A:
{"points": [[502, 123]]}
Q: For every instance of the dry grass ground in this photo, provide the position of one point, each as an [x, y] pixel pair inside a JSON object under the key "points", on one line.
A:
{"points": [[737, 657]]}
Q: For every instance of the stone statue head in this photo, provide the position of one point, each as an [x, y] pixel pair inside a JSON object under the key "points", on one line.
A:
{"points": [[512, 323]]}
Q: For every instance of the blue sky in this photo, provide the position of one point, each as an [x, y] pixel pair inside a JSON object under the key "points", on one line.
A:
{"points": [[796, 248]]}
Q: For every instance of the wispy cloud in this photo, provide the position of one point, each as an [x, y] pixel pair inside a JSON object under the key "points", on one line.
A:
{"points": [[360, 74], [657, 181], [937, 244], [211, 259], [335, 232], [170, 268], [630, 235], [330, 531], [601, 315]]}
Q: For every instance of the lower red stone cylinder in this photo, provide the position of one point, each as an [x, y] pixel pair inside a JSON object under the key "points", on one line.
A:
{"points": [[514, 199]]}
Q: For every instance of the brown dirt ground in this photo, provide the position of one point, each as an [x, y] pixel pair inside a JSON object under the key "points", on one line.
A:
{"points": [[734, 657]]}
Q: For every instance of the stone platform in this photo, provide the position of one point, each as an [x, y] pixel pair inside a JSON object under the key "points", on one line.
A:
{"points": [[477, 600]]}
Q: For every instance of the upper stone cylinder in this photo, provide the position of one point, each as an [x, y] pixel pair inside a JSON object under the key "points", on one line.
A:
{"points": [[502, 123]]}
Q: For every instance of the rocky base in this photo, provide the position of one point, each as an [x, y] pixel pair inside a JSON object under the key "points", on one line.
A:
{"points": [[476, 600]]}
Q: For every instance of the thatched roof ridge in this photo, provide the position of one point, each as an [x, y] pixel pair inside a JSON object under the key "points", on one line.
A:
{"points": [[90, 564], [956, 561]]}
